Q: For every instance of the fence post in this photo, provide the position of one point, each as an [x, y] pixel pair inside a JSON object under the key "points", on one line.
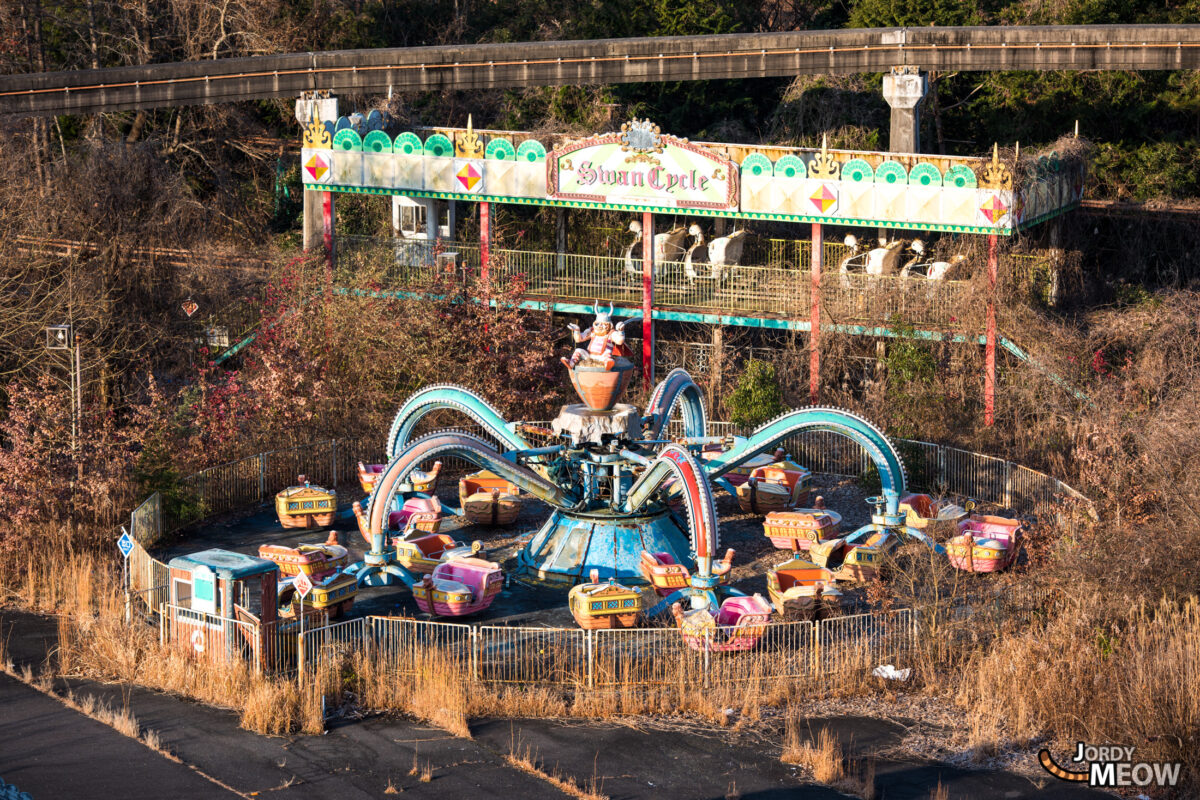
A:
{"points": [[707, 649], [591, 660], [816, 648], [475, 653], [334, 456], [1008, 484], [941, 458], [300, 657], [262, 478]]}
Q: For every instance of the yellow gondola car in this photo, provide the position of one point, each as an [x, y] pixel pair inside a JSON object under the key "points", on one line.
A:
{"points": [[488, 499], [609, 604], [306, 506]]}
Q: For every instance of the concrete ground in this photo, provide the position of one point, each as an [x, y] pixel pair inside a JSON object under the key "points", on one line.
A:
{"points": [[53, 752]]}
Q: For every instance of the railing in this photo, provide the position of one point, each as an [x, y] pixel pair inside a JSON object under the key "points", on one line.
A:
{"points": [[646, 656], [781, 288], [571, 657], [145, 523]]}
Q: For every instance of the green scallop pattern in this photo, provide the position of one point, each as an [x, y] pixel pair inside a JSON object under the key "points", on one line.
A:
{"points": [[960, 176], [925, 174], [857, 171], [500, 150], [409, 144], [377, 142], [757, 164], [439, 146], [892, 173], [790, 167], [531, 150], [347, 139]]}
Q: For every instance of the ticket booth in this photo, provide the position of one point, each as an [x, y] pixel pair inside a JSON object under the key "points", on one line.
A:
{"points": [[223, 604]]}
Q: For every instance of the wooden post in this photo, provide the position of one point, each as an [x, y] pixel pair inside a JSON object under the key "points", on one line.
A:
{"points": [[327, 224], [814, 331], [647, 298], [485, 239], [989, 358]]}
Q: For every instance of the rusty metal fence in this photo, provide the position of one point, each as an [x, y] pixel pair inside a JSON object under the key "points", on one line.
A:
{"points": [[635, 657]]}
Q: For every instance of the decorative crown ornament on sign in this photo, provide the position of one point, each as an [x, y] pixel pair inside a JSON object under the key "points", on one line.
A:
{"points": [[468, 145], [316, 135], [824, 166], [641, 137], [996, 175]]}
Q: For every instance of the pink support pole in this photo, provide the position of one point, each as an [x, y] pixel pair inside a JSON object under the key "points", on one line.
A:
{"points": [[647, 298], [814, 331], [989, 358], [327, 225], [485, 239]]}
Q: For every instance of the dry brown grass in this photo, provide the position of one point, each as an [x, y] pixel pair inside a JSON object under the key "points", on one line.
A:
{"points": [[122, 720], [939, 792], [827, 762], [525, 758], [1095, 676]]}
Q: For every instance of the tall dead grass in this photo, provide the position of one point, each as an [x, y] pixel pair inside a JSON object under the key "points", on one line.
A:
{"points": [[1091, 675], [824, 758]]}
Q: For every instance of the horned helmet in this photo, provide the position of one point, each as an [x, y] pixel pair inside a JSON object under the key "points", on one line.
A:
{"points": [[602, 317]]}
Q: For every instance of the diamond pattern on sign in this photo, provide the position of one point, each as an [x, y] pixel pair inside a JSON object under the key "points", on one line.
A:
{"points": [[317, 167], [994, 209], [823, 199], [469, 177]]}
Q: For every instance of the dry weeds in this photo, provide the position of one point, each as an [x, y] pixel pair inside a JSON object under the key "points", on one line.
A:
{"points": [[1095, 676], [525, 758]]}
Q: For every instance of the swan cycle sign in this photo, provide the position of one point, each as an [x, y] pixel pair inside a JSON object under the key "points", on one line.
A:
{"points": [[642, 167]]}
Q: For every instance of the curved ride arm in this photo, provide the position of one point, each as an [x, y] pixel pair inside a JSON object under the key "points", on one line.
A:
{"points": [[466, 447], [433, 398], [691, 481], [677, 387], [873, 440]]}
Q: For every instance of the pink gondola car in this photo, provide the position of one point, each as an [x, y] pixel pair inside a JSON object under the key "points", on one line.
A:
{"points": [[459, 587], [985, 543], [739, 624]]}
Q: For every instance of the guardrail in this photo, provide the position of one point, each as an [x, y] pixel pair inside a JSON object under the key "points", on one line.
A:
{"points": [[566, 657], [782, 287]]}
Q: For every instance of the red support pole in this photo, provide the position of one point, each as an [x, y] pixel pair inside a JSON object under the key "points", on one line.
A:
{"points": [[485, 239], [814, 331], [327, 225], [647, 298], [989, 358]]}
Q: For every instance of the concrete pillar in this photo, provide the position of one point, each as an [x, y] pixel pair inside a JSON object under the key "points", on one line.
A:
{"points": [[326, 110], [431, 218], [314, 220], [904, 88], [1056, 260], [451, 220]]}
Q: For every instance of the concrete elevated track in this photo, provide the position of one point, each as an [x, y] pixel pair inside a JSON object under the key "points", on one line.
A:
{"points": [[603, 61]]}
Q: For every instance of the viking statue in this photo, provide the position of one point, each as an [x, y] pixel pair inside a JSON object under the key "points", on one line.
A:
{"points": [[601, 337]]}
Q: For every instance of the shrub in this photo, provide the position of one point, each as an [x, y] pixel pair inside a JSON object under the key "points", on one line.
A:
{"points": [[758, 396]]}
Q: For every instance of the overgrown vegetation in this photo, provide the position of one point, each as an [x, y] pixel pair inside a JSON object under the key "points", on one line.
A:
{"points": [[199, 203]]}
